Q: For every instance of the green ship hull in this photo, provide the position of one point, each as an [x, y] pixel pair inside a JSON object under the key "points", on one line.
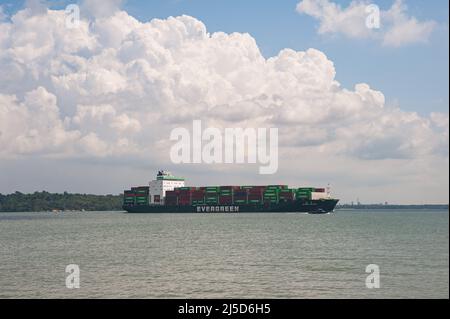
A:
{"points": [[321, 206]]}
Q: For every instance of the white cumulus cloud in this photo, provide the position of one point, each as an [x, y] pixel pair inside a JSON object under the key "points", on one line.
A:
{"points": [[396, 28]]}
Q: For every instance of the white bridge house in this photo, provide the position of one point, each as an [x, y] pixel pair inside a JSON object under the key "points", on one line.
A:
{"points": [[164, 182]]}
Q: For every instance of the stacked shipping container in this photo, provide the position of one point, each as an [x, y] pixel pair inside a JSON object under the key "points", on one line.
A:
{"points": [[136, 196], [225, 195]]}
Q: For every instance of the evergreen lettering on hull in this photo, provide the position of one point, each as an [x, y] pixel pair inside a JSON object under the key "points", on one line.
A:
{"points": [[217, 209]]}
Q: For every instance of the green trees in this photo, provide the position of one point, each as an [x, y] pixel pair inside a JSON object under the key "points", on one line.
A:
{"points": [[45, 201]]}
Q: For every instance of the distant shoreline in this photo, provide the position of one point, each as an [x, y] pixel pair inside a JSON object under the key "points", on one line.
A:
{"points": [[60, 202], [381, 207]]}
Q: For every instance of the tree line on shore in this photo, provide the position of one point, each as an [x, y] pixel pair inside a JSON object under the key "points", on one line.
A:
{"points": [[45, 201]]}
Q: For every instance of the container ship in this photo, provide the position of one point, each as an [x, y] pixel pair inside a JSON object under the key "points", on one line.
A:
{"points": [[168, 194]]}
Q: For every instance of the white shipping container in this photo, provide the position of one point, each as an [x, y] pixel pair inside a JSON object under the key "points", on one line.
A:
{"points": [[316, 195]]}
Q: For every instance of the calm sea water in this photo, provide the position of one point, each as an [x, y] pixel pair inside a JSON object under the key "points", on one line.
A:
{"points": [[225, 255]]}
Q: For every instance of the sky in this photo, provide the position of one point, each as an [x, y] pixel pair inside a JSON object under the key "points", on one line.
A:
{"points": [[90, 110], [277, 25]]}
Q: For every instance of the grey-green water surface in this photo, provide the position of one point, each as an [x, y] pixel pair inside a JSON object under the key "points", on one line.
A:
{"points": [[225, 255]]}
